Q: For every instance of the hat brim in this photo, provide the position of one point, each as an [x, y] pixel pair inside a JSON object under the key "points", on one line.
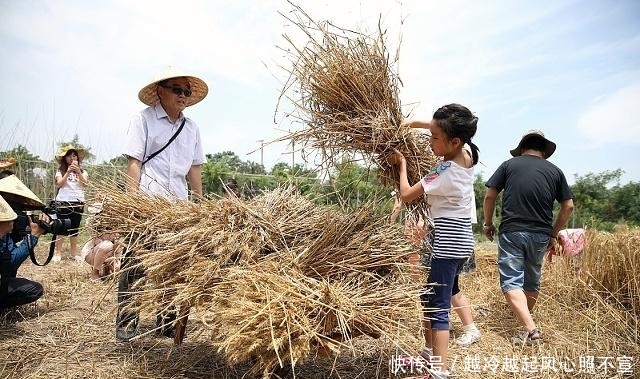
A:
{"points": [[13, 190], [63, 152], [199, 89], [549, 146], [6, 212]]}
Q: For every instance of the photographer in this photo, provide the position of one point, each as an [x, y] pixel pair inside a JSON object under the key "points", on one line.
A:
{"points": [[16, 291]]}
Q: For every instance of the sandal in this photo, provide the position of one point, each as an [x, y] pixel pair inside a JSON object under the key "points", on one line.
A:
{"points": [[523, 337]]}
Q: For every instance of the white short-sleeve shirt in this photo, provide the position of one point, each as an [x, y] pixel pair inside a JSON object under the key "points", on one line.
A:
{"points": [[72, 190], [450, 191], [165, 174]]}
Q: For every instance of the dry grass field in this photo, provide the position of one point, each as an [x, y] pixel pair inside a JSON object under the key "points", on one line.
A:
{"points": [[69, 333]]}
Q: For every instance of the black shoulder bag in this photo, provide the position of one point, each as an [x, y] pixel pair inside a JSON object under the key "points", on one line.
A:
{"points": [[167, 144]]}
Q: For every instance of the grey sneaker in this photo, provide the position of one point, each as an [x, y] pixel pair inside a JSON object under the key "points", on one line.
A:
{"points": [[469, 337]]}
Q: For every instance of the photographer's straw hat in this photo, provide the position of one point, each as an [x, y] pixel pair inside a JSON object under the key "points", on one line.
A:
{"points": [[62, 152], [13, 190], [6, 213], [7, 163], [549, 147], [199, 88]]}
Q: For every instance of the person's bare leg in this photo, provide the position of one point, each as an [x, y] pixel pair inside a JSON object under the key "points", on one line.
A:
{"points": [[532, 298], [517, 300], [426, 325], [73, 245], [59, 246], [460, 304], [90, 259], [441, 346], [103, 250]]}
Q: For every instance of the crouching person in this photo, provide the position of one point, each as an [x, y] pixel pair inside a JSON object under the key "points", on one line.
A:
{"points": [[16, 291], [100, 254]]}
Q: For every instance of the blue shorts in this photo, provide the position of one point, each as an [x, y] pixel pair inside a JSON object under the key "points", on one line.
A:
{"points": [[437, 304], [520, 256]]}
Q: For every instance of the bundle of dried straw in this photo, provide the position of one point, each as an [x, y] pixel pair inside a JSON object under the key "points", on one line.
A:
{"points": [[345, 93], [275, 277]]}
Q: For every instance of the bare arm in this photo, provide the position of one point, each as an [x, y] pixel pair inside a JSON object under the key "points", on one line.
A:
{"points": [[83, 177], [488, 208], [134, 169], [62, 180], [566, 208], [397, 207], [194, 176], [408, 192]]}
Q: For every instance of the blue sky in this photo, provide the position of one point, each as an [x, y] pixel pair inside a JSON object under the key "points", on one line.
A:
{"points": [[568, 68]]}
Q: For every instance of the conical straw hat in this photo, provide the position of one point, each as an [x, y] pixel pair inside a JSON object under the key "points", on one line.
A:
{"points": [[6, 213], [199, 88], [12, 189]]}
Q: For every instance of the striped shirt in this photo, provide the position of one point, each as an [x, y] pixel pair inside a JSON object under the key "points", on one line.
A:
{"points": [[453, 238], [449, 189]]}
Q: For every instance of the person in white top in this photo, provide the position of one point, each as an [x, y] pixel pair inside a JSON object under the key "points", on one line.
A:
{"points": [[71, 180], [163, 151], [449, 189]]}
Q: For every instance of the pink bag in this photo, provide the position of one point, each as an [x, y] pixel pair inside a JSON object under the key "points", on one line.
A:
{"points": [[572, 241]]}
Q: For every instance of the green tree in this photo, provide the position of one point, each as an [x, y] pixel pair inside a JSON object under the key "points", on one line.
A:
{"points": [[592, 200], [19, 153], [352, 184], [625, 202], [34, 172]]}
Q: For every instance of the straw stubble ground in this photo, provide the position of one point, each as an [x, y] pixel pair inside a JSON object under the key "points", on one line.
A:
{"points": [[70, 334]]}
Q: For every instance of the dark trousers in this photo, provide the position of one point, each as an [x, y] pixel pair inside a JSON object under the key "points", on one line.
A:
{"points": [[130, 272], [20, 291]]}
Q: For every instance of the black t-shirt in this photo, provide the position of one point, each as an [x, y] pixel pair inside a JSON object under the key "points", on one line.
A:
{"points": [[530, 185]]}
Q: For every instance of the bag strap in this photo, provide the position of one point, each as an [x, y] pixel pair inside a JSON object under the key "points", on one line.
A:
{"points": [[167, 144]]}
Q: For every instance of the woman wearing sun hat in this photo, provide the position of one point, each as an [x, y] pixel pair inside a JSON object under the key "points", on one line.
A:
{"points": [[71, 180], [164, 151]]}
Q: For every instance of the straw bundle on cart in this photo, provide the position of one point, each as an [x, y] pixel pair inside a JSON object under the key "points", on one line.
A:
{"points": [[274, 278], [345, 92]]}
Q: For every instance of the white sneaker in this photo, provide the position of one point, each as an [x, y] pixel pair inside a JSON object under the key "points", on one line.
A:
{"points": [[469, 337]]}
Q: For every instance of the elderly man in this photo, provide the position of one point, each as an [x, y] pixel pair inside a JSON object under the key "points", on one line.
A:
{"points": [[531, 185], [163, 151]]}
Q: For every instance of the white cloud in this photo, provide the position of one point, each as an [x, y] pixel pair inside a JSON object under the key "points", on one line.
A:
{"points": [[612, 119]]}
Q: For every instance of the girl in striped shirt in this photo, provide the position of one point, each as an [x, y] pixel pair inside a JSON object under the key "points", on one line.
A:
{"points": [[449, 189]]}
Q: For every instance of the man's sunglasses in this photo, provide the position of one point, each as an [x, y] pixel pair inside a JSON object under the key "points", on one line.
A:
{"points": [[178, 90]]}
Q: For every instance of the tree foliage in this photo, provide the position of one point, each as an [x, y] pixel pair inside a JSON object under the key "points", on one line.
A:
{"points": [[75, 142], [600, 200]]}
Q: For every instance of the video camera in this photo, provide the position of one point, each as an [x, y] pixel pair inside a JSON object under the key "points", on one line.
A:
{"points": [[24, 203], [21, 226]]}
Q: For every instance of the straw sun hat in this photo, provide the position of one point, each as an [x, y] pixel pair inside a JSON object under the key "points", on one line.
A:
{"points": [[12, 189], [549, 147], [7, 163], [65, 149], [6, 213], [199, 88]]}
